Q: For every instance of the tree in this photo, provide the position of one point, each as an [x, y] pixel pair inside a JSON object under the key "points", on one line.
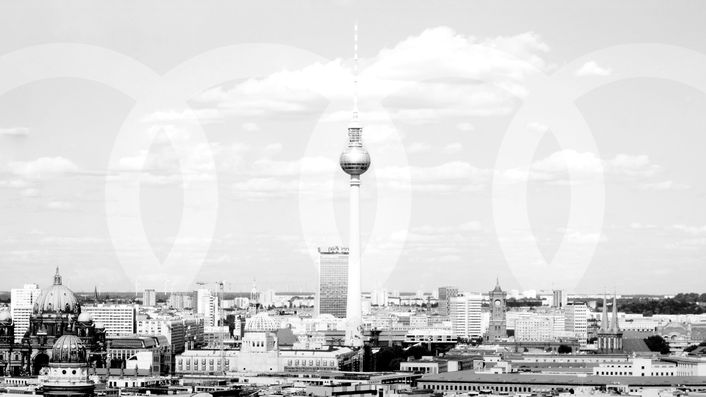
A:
{"points": [[657, 344], [564, 349]]}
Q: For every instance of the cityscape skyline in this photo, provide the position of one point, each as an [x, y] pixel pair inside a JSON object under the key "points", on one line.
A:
{"points": [[248, 166]]}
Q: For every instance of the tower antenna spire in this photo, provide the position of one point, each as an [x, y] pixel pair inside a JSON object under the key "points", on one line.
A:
{"points": [[355, 71]]}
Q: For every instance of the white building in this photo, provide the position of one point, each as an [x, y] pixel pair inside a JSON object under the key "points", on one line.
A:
{"points": [[637, 367], [21, 304], [540, 327], [465, 315], [577, 314], [118, 320], [149, 297], [260, 353], [207, 306]]}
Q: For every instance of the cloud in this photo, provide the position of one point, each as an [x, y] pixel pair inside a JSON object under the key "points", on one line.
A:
{"points": [[664, 185], [577, 236], [205, 116], [693, 230], [250, 127], [465, 126], [418, 147], [452, 148], [59, 205], [438, 73], [591, 68], [42, 166], [14, 131], [433, 241], [584, 167]]}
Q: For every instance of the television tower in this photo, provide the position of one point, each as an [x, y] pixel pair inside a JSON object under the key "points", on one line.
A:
{"points": [[354, 160]]}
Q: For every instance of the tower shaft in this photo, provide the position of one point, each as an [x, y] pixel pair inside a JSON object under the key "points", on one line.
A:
{"points": [[353, 306]]}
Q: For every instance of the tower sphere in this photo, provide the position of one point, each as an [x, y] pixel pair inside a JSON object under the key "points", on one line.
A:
{"points": [[355, 160]]}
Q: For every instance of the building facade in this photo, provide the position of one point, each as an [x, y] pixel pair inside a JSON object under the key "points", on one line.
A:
{"points": [[21, 305], [149, 297], [444, 300], [465, 315], [332, 292], [117, 320]]}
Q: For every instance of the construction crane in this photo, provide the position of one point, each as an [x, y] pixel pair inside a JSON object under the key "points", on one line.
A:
{"points": [[221, 319]]}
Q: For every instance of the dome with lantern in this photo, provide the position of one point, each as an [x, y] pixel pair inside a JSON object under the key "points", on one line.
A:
{"points": [[85, 317], [68, 349], [261, 322], [57, 298]]}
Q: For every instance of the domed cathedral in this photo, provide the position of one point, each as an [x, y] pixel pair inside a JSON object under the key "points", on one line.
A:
{"points": [[56, 313], [14, 358], [67, 374]]}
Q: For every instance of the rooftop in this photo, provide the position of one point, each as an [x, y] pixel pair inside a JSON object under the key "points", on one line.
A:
{"points": [[560, 380]]}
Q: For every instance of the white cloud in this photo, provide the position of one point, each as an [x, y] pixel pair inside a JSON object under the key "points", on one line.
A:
{"points": [[14, 131], [186, 115], [42, 166], [591, 68], [584, 167], [664, 185], [59, 206], [418, 147], [465, 126], [452, 148], [478, 77], [250, 127], [695, 230], [577, 236]]}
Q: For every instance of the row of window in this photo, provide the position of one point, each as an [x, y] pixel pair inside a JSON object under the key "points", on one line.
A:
{"points": [[447, 387], [312, 363]]}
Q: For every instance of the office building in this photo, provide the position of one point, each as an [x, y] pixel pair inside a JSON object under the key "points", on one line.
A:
{"points": [[207, 306], [332, 293], [559, 299], [465, 315], [149, 297], [21, 305], [576, 314], [445, 295], [117, 320]]}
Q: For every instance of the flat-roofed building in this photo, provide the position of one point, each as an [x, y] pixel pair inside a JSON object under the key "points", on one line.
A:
{"points": [[118, 320]]}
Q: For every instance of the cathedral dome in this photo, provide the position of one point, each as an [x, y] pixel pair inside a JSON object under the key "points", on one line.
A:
{"points": [[5, 317], [261, 323], [57, 298], [68, 349], [85, 317]]}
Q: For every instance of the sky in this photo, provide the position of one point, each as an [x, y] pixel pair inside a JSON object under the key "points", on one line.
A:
{"points": [[154, 144]]}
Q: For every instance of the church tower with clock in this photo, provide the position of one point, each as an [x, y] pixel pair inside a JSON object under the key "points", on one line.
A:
{"points": [[497, 328]]}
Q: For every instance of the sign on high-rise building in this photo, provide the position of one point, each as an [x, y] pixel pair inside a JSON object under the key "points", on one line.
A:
{"points": [[332, 294]]}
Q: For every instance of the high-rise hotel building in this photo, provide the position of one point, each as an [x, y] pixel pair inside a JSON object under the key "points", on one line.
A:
{"points": [[465, 315], [332, 293]]}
